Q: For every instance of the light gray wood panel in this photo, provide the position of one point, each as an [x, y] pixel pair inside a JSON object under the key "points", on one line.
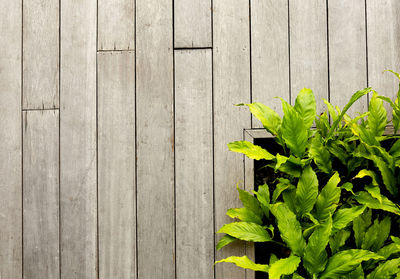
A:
{"points": [[231, 86], [10, 139], [116, 159], [383, 46], [194, 164], [116, 27], [155, 140], [192, 23], [41, 194], [270, 53], [78, 140], [347, 53], [40, 54], [308, 49]]}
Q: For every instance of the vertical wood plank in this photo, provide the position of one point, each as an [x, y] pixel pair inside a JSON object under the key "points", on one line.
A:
{"points": [[347, 53], [155, 139], [192, 23], [270, 53], [383, 25], [41, 194], [116, 27], [308, 49], [193, 148], [116, 157], [10, 138], [78, 140], [41, 53], [231, 60]]}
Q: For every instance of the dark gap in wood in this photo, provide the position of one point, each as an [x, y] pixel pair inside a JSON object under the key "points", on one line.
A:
{"points": [[191, 48]]}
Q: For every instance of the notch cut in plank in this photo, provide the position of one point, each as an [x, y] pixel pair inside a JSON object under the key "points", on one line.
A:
{"points": [[192, 23], [41, 194], [347, 53], [308, 49], [11, 140], [116, 158], [231, 60], [78, 140], [270, 53], [155, 139], [194, 167], [383, 47], [41, 54], [116, 26]]}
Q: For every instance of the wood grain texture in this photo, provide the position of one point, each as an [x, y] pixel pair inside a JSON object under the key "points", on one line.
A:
{"points": [[78, 140], [155, 140], [270, 53], [40, 54], [194, 164], [308, 49], [347, 53], [116, 26], [10, 139], [192, 22], [231, 60], [383, 46], [116, 159], [41, 194]]}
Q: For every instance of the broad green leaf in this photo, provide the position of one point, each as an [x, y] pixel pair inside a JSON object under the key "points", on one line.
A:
{"points": [[289, 197], [377, 118], [386, 205], [358, 273], [283, 185], [268, 117], [280, 160], [250, 150], [291, 168], [245, 262], [296, 276], [328, 199], [246, 231], [376, 235], [250, 202], [338, 239], [320, 154], [346, 261], [395, 149], [373, 189], [348, 187], [244, 214], [273, 258], [338, 152], [289, 227], [386, 270], [332, 112], [360, 226], [344, 216], [294, 131], [225, 240], [315, 256], [284, 266], [322, 123], [388, 250], [306, 107], [264, 199], [307, 191]]}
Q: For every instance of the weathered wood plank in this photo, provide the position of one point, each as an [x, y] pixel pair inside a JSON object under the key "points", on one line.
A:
{"points": [[308, 49], [41, 194], [10, 139], [40, 54], [383, 39], [155, 139], [78, 140], [192, 23], [347, 53], [270, 53], [116, 26], [116, 159], [231, 86], [194, 167]]}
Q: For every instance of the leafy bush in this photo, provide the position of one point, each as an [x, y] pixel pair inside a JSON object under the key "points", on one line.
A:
{"points": [[333, 205]]}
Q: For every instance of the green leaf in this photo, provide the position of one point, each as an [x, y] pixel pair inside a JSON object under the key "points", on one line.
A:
{"points": [[284, 266], [337, 240], [376, 235], [360, 225], [245, 262], [386, 270], [388, 250], [280, 160], [268, 117], [244, 214], [320, 154], [250, 150], [305, 105], [264, 199], [377, 118], [289, 197], [315, 256], [283, 185], [346, 261], [294, 131], [289, 227], [344, 216], [246, 231], [328, 199], [331, 110], [386, 205], [225, 240], [358, 273], [373, 189], [307, 191], [250, 202]]}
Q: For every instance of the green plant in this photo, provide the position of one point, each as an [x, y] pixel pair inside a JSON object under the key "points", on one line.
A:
{"points": [[332, 206]]}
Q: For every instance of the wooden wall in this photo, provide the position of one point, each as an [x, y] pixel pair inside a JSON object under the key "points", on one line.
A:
{"points": [[115, 114]]}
